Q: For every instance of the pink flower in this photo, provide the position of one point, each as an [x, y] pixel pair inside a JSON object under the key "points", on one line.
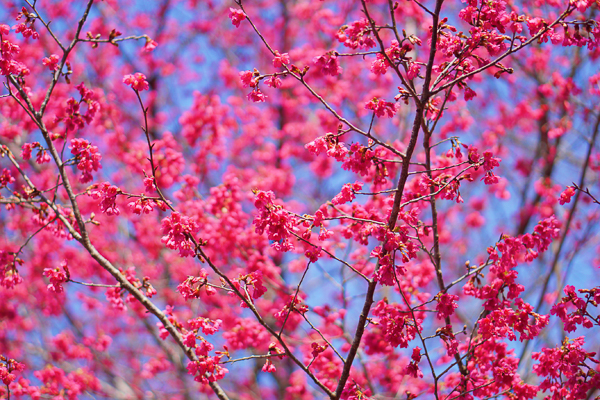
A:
{"points": [[150, 46], [269, 367], [381, 107], [317, 349], [535, 25], [280, 59], [490, 179], [356, 34], [413, 71], [328, 63], [247, 78], [177, 230], [208, 326], [88, 158], [137, 81], [469, 94], [395, 326], [140, 206], [413, 368], [236, 16], [6, 178], [313, 254], [190, 339], [446, 305], [489, 161], [347, 193], [208, 368], [318, 145], [191, 287], [57, 277], [51, 62], [257, 96], [565, 196], [26, 30], [380, 65], [42, 155], [273, 81], [107, 195], [274, 220], [27, 148], [149, 184]]}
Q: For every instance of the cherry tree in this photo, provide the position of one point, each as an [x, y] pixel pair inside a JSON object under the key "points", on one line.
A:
{"points": [[299, 199]]}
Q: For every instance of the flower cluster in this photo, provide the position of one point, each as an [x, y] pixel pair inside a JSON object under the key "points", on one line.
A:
{"points": [[192, 287], [6, 178], [51, 62], [246, 333], [56, 382], [115, 298], [280, 59], [73, 116], [9, 276], [394, 243], [447, 335], [567, 375], [7, 367], [317, 349], [208, 326], [395, 53], [207, 369], [26, 27], [236, 16], [529, 246], [42, 155], [107, 194], [253, 280], [381, 108], [394, 325], [274, 220], [178, 230], [314, 253], [88, 158], [565, 197], [359, 160], [446, 304], [273, 81], [57, 276], [328, 64], [141, 205], [347, 193], [137, 81], [356, 34], [581, 315], [294, 304], [257, 96], [413, 71], [8, 64], [412, 369], [329, 144], [250, 79], [504, 322]]}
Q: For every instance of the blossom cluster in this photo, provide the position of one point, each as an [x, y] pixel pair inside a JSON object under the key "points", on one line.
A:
{"points": [[107, 194], [178, 230], [57, 277], [88, 158], [274, 220], [137, 81]]}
